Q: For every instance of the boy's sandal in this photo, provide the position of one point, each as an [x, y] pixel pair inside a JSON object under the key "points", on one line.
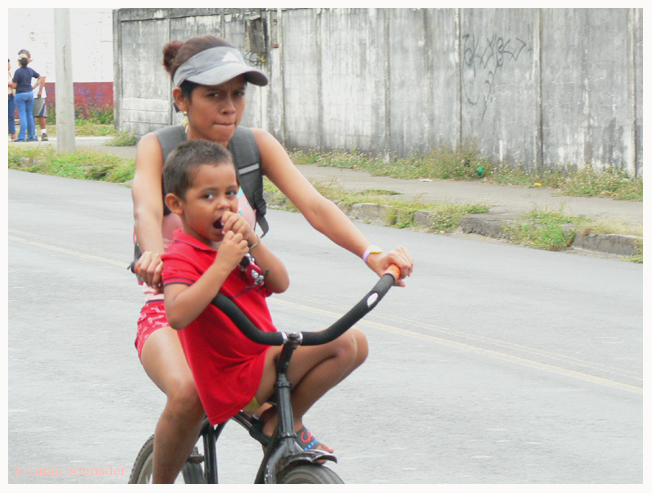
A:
{"points": [[306, 440]]}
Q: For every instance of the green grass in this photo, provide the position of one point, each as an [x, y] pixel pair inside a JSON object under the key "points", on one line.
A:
{"points": [[467, 163], [81, 165], [446, 217], [545, 230], [122, 139], [89, 121]]}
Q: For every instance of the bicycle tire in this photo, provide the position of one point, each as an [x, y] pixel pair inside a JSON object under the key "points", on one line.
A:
{"points": [[310, 474], [141, 473]]}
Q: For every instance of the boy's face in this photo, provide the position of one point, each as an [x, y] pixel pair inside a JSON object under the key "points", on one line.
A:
{"points": [[213, 192]]}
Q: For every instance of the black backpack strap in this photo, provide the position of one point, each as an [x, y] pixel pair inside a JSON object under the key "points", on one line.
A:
{"points": [[246, 156], [169, 138]]}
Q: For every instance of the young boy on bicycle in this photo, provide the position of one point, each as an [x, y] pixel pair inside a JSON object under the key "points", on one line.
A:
{"points": [[231, 372]]}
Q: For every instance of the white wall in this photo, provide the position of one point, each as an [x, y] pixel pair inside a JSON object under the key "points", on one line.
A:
{"points": [[91, 38]]}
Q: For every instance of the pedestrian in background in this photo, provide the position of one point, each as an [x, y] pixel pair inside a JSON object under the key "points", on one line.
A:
{"points": [[39, 98], [25, 98], [11, 105]]}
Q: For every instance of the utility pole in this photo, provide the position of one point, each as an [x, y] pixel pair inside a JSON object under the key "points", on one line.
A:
{"points": [[65, 94]]}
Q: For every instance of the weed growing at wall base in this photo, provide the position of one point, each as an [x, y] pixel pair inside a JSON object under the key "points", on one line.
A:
{"points": [[466, 163], [89, 121]]}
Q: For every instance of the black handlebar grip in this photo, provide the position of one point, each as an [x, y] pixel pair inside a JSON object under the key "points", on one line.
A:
{"points": [[244, 324], [364, 306]]}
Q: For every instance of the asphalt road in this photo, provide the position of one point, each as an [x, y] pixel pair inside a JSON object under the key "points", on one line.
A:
{"points": [[497, 364]]}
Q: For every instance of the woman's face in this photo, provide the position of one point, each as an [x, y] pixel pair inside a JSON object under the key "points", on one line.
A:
{"points": [[214, 112]]}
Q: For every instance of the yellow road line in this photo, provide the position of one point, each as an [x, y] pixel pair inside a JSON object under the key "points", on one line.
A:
{"points": [[505, 345], [478, 350], [69, 252], [533, 351]]}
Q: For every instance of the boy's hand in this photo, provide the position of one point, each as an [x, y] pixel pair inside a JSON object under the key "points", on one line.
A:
{"points": [[232, 249], [234, 222]]}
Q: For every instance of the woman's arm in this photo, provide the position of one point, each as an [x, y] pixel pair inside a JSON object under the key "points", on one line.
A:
{"points": [[147, 195], [320, 212], [40, 83]]}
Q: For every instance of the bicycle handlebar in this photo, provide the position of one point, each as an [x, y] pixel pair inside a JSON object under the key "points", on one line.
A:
{"points": [[364, 306]]}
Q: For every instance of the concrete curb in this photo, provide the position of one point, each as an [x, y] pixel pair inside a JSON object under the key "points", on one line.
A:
{"points": [[614, 244], [493, 226], [626, 245]]}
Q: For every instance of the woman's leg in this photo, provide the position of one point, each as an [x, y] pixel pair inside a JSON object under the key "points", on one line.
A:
{"points": [[20, 105], [179, 425], [313, 371]]}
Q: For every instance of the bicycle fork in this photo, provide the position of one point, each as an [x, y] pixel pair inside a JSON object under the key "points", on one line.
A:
{"points": [[283, 451], [283, 442]]}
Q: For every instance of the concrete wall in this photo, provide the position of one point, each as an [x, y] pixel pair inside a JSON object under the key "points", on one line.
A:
{"points": [[537, 87], [143, 89]]}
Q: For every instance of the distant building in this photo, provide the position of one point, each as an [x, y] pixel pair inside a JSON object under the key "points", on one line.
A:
{"points": [[92, 51]]}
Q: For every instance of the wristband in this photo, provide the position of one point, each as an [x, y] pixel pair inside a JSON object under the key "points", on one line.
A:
{"points": [[371, 249], [251, 247]]}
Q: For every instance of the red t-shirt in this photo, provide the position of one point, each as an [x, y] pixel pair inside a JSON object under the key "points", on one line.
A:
{"points": [[226, 365]]}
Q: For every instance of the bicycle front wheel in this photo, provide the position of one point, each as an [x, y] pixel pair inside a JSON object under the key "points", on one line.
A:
{"points": [[141, 473], [310, 474]]}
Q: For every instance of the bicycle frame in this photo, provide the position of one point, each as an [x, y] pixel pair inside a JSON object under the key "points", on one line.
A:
{"points": [[282, 453]]}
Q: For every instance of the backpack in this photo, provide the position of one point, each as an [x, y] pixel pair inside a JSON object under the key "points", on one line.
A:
{"points": [[246, 157]]}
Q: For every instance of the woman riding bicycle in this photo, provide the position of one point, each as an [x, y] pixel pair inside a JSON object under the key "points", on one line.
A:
{"points": [[214, 105]]}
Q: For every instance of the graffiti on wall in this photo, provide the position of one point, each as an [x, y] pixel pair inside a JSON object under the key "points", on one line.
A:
{"points": [[483, 59]]}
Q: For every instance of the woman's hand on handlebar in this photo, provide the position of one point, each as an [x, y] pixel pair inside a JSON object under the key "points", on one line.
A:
{"points": [[380, 262], [149, 267]]}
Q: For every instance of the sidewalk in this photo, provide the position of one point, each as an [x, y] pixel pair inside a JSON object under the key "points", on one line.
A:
{"points": [[507, 202]]}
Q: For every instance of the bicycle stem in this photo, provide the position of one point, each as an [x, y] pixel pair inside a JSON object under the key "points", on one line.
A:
{"points": [[284, 433]]}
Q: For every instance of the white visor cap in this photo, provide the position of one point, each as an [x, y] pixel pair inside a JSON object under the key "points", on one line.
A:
{"points": [[215, 66]]}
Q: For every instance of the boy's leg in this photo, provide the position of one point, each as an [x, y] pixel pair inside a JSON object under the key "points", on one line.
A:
{"points": [[313, 371], [179, 425], [40, 115]]}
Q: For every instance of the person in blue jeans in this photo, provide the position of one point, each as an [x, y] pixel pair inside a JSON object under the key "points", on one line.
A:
{"points": [[24, 98], [11, 106]]}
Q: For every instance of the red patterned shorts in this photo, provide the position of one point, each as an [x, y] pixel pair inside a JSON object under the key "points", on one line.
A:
{"points": [[152, 317]]}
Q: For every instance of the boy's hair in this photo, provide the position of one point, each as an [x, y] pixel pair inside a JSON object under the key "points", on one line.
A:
{"points": [[182, 164]]}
